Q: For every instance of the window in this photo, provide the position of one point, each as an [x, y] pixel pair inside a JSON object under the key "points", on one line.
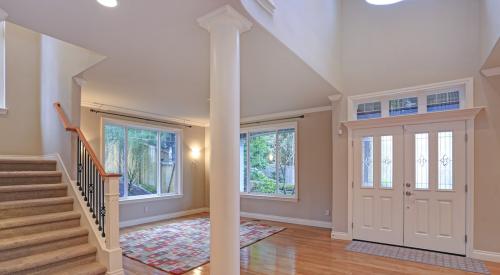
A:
{"points": [[404, 106], [443, 101], [369, 110], [268, 165], [444, 96], [148, 159]]}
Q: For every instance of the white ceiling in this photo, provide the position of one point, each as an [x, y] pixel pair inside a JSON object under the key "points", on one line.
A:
{"points": [[158, 56]]}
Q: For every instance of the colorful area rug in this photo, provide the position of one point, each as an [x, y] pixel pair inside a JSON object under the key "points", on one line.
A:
{"points": [[179, 247], [419, 256]]}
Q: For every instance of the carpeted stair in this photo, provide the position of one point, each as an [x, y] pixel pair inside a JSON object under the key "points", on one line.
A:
{"points": [[39, 231]]}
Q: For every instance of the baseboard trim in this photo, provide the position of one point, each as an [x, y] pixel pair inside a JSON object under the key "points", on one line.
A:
{"points": [[273, 218], [162, 217], [341, 236], [486, 255]]}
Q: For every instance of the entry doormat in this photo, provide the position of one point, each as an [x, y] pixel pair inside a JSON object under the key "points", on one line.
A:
{"points": [[179, 247], [419, 256]]}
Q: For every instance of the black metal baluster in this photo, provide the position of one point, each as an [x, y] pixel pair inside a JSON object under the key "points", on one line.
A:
{"points": [[97, 196], [91, 186], [103, 208], [78, 179], [84, 171], [88, 180]]}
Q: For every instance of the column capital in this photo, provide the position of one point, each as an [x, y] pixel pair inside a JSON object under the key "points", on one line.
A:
{"points": [[225, 15], [3, 15]]}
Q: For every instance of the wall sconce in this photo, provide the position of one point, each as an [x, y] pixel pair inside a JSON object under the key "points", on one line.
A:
{"points": [[195, 153]]}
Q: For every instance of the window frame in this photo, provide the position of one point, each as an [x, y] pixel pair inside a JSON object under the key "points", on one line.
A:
{"points": [[144, 126], [3, 93], [273, 127], [465, 87]]}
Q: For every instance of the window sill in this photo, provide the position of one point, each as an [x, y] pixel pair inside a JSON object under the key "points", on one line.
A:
{"points": [[268, 197], [3, 111], [141, 199]]}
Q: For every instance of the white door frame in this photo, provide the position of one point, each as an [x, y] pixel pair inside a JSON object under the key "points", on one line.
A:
{"points": [[468, 115]]}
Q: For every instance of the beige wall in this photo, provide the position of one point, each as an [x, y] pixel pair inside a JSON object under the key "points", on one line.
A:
{"points": [[395, 48], [193, 172], [489, 26], [20, 128], [314, 175]]}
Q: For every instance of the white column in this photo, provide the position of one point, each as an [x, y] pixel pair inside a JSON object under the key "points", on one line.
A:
{"points": [[225, 26]]}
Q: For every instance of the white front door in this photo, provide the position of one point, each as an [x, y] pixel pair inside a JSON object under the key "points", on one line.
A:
{"points": [[435, 187], [409, 186], [378, 185]]}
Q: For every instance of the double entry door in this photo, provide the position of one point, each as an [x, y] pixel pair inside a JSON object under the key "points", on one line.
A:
{"points": [[409, 186]]}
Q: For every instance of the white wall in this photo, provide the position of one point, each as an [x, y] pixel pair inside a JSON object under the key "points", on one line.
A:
{"points": [[311, 29], [490, 26], [20, 128], [60, 62]]}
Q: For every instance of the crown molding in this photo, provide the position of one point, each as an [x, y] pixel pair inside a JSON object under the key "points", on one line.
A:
{"points": [[335, 98], [490, 72], [128, 111], [267, 5], [225, 15], [286, 114]]}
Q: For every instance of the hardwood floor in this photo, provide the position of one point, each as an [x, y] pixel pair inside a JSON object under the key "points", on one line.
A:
{"points": [[304, 250]]}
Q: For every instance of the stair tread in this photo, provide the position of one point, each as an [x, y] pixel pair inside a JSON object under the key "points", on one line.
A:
{"points": [[87, 269], [38, 219], [25, 174], [46, 258], [34, 202], [40, 238], [32, 187], [28, 161]]}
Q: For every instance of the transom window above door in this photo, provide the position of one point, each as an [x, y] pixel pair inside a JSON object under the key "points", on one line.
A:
{"points": [[268, 161], [438, 97], [147, 157]]}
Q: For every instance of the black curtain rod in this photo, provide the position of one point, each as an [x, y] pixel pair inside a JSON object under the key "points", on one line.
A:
{"points": [[141, 118], [272, 120]]}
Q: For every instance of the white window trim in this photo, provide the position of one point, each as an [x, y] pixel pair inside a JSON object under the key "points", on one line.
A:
{"points": [[274, 127], [180, 152], [421, 91], [3, 95]]}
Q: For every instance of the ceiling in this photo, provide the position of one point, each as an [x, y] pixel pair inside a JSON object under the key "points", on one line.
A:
{"points": [[158, 56]]}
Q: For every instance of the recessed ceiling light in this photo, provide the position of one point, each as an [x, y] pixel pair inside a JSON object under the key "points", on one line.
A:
{"points": [[383, 2], [108, 3]]}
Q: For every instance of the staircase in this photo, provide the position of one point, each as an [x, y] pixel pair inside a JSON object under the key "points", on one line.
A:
{"points": [[39, 231]]}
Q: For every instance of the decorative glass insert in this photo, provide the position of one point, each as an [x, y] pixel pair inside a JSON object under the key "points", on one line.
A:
{"points": [[445, 160], [367, 162], [403, 106], [443, 101], [422, 161], [369, 110], [386, 162]]}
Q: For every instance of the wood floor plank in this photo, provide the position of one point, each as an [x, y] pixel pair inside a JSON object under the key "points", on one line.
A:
{"points": [[303, 250]]}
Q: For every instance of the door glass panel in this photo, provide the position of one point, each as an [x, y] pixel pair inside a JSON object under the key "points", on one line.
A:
{"points": [[367, 162], [386, 161], [142, 162], [445, 160], [422, 161]]}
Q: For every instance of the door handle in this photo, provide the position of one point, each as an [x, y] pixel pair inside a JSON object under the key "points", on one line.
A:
{"points": [[408, 193], [408, 184]]}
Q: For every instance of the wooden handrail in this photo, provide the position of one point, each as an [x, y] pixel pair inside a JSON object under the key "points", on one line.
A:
{"points": [[68, 127]]}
